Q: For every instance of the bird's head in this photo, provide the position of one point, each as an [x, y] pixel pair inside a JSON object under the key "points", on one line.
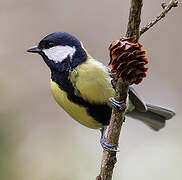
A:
{"points": [[60, 51]]}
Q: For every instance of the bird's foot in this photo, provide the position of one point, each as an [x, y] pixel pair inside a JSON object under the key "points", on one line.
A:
{"points": [[105, 145], [117, 104]]}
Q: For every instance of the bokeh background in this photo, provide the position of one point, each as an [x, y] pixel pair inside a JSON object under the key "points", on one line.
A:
{"points": [[38, 140]]}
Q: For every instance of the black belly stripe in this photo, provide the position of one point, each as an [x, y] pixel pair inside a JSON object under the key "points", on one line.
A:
{"points": [[100, 112]]}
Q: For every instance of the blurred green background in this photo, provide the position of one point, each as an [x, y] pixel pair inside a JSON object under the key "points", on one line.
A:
{"points": [[38, 140]]}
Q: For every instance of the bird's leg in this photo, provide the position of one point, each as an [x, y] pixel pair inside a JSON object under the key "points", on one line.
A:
{"points": [[117, 104], [105, 145]]}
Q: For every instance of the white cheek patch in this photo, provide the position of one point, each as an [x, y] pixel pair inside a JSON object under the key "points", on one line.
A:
{"points": [[59, 53]]}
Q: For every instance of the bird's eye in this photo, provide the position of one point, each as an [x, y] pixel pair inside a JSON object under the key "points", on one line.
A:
{"points": [[50, 44]]}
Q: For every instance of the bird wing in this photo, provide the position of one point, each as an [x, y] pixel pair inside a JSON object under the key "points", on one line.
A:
{"points": [[136, 100], [92, 82]]}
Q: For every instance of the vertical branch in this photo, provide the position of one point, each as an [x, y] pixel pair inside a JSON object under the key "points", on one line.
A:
{"points": [[122, 87], [134, 19], [117, 119]]}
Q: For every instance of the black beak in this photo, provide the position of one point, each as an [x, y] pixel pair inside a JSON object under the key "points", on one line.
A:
{"points": [[34, 49]]}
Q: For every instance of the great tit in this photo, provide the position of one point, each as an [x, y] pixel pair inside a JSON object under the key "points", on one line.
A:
{"points": [[82, 86]]}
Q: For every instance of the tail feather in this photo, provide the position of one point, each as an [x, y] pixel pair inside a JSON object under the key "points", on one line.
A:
{"points": [[166, 113], [154, 117]]}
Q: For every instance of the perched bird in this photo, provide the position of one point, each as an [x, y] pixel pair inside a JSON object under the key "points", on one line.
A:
{"points": [[82, 86]]}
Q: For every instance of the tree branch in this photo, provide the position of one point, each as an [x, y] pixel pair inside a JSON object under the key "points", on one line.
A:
{"points": [[134, 19], [167, 8], [117, 119]]}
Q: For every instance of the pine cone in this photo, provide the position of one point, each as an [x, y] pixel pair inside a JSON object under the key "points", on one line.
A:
{"points": [[128, 60]]}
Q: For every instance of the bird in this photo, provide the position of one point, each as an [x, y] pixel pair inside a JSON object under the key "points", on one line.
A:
{"points": [[82, 86]]}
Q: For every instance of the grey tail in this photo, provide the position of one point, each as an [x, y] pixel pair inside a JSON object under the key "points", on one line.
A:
{"points": [[155, 116]]}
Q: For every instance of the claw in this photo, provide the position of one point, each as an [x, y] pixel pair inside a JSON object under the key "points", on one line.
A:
{"points": [[105, 145], [117, 104], [108, 147]]}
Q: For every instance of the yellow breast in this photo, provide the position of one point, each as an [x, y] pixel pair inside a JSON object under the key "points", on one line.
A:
{"points": [[77, 112]]}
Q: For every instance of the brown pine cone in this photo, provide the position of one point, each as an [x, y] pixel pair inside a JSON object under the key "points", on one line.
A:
{"points": [[128, 60]]}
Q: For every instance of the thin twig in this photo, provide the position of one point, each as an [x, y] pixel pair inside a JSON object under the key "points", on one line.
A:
{"points": [[117, 119], [167, 8]]}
